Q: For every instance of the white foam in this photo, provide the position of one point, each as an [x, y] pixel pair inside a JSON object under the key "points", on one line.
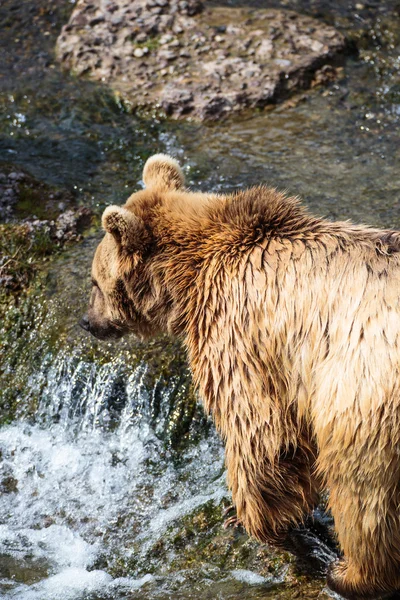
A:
{"points": [[248, 577], [76, 481], [129, 584], [59, 545], [74, 584]]}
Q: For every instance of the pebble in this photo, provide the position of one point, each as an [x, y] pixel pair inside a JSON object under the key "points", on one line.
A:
{"points": [[140, 52], [168, 55], [165, 39], [96, 21], [16, 176], [141, 37]]}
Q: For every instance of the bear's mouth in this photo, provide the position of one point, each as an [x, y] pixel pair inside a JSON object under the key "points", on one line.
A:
{"points": [[102, 331], [84, 323]]}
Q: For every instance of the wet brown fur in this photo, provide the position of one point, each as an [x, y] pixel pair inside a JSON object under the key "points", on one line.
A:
{"points": [[292, 327]]}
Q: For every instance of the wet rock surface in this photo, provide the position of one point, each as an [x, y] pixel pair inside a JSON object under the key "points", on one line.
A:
{"points": [[25, 245], [203, 64], [9, 191], [35, 220], [22, 196]]}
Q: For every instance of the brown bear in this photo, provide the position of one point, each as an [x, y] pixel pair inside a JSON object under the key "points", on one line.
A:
{"points": [[292, 329]]}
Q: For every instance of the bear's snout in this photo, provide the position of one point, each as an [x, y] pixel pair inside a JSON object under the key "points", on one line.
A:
{"points": [[102, 329], [84, 323]]}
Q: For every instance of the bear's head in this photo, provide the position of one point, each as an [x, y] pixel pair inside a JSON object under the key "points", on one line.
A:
{"points": [[128, 292]]}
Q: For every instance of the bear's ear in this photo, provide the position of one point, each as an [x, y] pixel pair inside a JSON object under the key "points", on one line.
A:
{"points": [[128, 230], [163, 171]]}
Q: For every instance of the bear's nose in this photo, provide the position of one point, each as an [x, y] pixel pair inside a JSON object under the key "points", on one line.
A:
{"points": [[84, 323]]}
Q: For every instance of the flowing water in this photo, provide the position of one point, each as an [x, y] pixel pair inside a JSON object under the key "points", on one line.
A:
{"points": [[112, 479]]}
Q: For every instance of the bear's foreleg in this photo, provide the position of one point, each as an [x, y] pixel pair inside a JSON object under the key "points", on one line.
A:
{"points": [[272, 497]]}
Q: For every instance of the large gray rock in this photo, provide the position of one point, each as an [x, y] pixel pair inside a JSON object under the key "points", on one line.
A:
{"points": [[189, 62]]}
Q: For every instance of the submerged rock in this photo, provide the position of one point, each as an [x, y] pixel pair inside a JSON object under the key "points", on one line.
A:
{"points": [[24, 197], [25, 245], [202, 64], [35, 221], [70, 224], [9, 193]]}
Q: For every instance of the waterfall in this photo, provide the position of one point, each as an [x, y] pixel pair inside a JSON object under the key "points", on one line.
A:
{"points": [[90, 481]]}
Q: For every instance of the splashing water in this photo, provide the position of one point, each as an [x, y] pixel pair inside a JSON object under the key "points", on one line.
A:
{"points": [[78, 490]]}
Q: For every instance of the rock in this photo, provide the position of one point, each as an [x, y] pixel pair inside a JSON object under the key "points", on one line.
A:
{"points": [[178, 102], [167, 55], [9, 194], [266, 54], [70, 225], [141, 37], [8, 485], [16, 176], [139, 52], [165, 39], [265, 50], [21, 195], [67, 227], [96, 21], [24, 245], [325, 75]]}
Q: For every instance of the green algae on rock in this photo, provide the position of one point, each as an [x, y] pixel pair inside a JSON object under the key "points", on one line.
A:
{"points": [[34, 224], [204, 67], [195, 547]]}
